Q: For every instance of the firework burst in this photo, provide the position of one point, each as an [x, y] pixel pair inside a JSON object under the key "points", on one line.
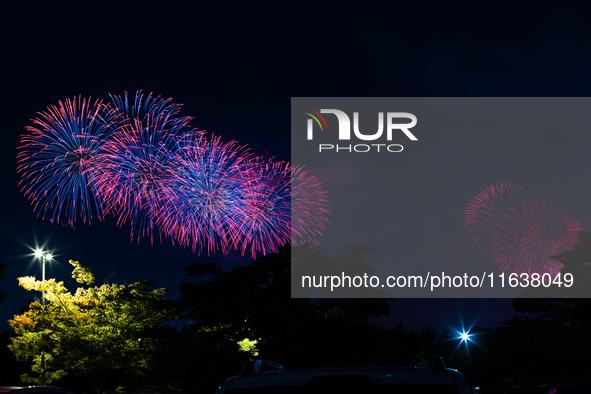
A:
{"points": [[264, 223], [201, 204], [492, 212], [58, 161], [517, 233], [138, 159], [551, 230]]}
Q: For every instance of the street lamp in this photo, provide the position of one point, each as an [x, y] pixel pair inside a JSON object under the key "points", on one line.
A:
{"points": [[464, 336], [44, 256]]}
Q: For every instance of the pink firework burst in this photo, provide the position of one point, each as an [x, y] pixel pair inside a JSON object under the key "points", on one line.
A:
{"points": [[493, 213], [550, 231]]}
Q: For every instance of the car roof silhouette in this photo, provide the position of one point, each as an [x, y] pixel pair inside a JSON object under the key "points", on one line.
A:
{"points": [[265, 376]]}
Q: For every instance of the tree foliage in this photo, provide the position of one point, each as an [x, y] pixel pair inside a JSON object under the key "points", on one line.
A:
{"points": [[100, 331]]}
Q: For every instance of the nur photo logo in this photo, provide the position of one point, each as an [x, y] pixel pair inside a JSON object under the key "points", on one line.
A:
{"points": [[344, 130]]}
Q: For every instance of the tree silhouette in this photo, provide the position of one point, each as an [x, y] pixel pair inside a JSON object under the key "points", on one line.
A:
{"points": [[254, 301], [553, 325], [2, 267]]}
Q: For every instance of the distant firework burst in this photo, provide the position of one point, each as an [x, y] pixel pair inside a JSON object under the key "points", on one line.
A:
{"points": [[493, 212], [58, 160], [138, 159], [526, 233], [551, 231]]}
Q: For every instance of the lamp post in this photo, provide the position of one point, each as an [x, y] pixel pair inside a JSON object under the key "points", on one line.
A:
{"points": [[44, 257]]}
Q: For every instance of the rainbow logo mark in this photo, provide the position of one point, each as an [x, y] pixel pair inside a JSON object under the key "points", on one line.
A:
{"points": [[316, 119]]}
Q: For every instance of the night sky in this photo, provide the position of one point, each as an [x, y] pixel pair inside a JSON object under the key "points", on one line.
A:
{"points": [[235, 66]]}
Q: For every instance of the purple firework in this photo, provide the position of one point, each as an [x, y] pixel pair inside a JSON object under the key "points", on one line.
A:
{"points": [[308, 207], [201, 205], [492, 213], [139, 159], [58, 161]]}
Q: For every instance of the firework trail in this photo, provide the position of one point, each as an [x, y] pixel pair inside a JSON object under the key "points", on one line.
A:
{"points": [[138, 159], [58, 160], [200, 205]]}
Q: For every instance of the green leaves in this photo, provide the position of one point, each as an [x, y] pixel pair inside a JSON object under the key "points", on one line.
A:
{"points": [[94, 331], [81, 274]]}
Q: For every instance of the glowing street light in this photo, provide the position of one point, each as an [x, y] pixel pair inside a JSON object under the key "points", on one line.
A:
{"points": [[44, 256], [464, 336]]}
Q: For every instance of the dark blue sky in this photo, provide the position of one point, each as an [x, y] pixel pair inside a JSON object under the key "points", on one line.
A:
{"points": [[234, 65]]}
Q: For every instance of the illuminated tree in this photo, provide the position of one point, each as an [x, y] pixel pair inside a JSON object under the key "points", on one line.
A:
{"points": [[102, 332]]}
